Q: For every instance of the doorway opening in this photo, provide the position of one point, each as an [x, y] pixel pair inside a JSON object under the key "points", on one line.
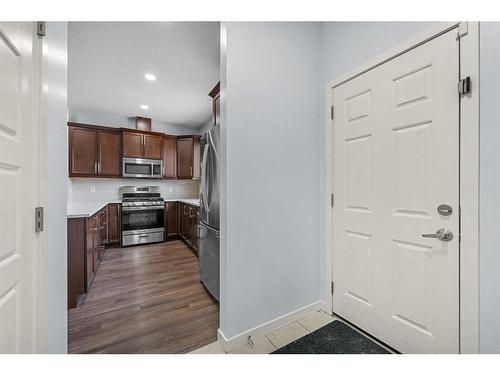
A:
{"points": [[143, 273]]}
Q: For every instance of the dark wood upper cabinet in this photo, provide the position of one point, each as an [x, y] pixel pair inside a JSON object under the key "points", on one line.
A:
{"points": [[97, 151], [109, 153], [153, 146], [133, 145], [170, 157], [188, 157], [82, 151], [94, 151], [138, 144], [114, 223]]}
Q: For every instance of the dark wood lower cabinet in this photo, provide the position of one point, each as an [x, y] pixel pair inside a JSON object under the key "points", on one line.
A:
{"points": [[89, 253], [171, 221], [88, 238], [188, 225], [114, 223], [76, 259]]}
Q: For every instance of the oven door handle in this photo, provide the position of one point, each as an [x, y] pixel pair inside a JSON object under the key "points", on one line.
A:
{"points": [[142, 208]]}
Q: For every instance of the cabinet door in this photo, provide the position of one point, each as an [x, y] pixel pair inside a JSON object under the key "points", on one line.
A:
{"points": [[184, 158], [76, 258], [103, 230], [153, 146], [82, 151], [89, 254], [109, 148], [189, 224], [171, 218], [194, 228], [170, 157], [97, 242], [133, 145], [196, 158], [182, 220], [114, 223]]}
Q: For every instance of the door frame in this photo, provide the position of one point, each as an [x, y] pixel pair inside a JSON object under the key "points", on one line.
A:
{"points": [[468, 32]]}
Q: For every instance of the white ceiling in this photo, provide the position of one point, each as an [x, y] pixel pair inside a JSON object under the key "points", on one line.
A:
{"points": [[108, 60]]}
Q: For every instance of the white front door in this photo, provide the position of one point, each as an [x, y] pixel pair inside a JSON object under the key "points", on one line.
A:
{"points": [[17, 187], [396, 159]]}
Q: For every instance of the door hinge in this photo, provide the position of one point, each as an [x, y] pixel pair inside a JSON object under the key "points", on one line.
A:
{"points": [[331, 112], [38, 219], [332, 287], [464, 86], [40, 28], [331, 200]]}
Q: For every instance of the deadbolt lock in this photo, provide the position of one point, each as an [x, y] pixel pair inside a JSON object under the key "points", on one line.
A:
{"points": [[445, 209]]}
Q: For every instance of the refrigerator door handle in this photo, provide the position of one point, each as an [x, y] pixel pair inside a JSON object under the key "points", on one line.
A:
{"points": [[203, 186]]}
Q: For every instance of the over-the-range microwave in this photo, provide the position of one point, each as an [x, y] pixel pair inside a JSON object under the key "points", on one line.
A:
{"points": [[142, 168]]}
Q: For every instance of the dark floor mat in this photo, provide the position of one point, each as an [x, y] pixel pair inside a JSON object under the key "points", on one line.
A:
{"points": [[334, 338]]}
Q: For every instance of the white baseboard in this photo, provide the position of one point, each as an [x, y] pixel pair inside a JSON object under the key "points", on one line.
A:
{"points": [[234, 342]]}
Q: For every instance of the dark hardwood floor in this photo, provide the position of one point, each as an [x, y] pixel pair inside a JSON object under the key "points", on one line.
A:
{"points": [[145, 299]]}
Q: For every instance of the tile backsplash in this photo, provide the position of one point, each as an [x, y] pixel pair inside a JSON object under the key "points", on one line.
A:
{"points": [[108, 190]]}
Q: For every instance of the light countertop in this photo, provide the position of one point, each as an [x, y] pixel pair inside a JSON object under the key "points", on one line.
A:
{"points": [[87, 209], [191, 201]]}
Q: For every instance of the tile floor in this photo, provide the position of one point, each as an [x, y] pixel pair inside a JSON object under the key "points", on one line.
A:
{"points": [[276, 339]]}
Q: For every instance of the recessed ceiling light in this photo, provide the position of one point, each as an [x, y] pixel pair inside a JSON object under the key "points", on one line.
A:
{"points": [[144, 106], [150, 77]]}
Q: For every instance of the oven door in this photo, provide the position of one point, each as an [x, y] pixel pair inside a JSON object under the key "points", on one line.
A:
{"points": [[142, 219]]}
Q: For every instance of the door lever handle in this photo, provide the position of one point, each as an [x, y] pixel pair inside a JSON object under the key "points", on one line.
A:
{"points": [[441, 234]]}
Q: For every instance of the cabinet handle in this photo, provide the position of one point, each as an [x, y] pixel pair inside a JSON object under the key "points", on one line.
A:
{"points": [[95, 167], [191, 170]]}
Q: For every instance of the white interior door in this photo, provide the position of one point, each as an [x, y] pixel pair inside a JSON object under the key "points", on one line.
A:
{"points": [[17, 187], [396, 159]]}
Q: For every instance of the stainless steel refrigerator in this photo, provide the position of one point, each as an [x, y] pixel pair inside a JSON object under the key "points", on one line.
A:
{"points": [[208, 219]]}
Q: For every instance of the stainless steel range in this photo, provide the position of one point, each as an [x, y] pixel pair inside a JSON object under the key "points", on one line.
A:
{"points": [[143, 215]]}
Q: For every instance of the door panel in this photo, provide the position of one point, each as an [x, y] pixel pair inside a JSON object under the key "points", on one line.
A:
{"points": [[396, 159], [133, 145], [83, 153], [114, 223], [89, 257], [110, 151], [170, 157], [171, 218], [17, 187], [185, 158], [209, 186], [208, 246], [152, 146]]}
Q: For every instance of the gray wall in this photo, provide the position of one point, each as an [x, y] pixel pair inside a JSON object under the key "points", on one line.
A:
{"points": [[54, 320], [270, 246], [489, 181]]}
